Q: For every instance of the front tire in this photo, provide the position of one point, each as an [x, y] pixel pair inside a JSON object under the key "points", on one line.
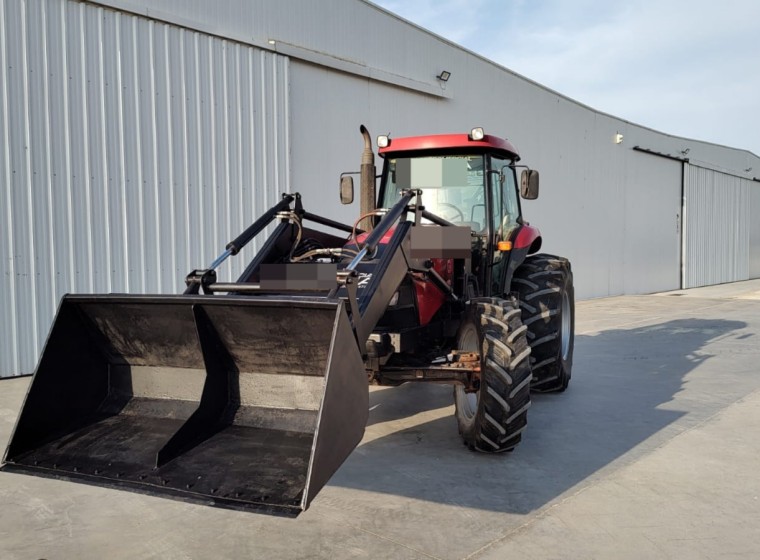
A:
{"points": [[544, 284], [493, 418]]}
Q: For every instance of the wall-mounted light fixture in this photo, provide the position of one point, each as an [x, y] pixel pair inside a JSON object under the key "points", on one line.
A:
{"points": [[685, 151], [444, 76], [618, 138], [748, 170]]}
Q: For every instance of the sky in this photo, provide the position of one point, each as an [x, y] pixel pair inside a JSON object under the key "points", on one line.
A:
{"points": [[687, 68]]}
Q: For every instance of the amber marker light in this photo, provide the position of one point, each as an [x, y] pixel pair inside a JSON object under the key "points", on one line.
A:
{"points": [[504, 246]]}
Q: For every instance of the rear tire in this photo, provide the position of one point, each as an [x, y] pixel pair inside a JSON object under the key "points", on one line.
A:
{"points": [[544, 284], [492, 419]]}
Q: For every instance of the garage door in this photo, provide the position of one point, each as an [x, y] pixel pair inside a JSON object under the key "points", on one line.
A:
{"points": [[717, 211]]}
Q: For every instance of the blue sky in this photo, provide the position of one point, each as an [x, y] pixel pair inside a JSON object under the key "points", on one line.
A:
{"points": [[689, 68]]}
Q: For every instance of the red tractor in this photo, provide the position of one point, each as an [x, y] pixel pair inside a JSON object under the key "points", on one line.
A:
{"points": [[518, 310], [251, 394]]}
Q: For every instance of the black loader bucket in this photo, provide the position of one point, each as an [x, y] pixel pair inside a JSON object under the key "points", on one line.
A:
{"points": [[230, 401]]}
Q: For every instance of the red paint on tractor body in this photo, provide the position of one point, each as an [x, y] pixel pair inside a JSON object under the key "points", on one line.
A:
{"points": [[435, 142], [429, 297], [526, 236]]}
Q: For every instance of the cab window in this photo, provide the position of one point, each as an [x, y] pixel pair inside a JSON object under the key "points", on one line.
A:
{"points": [[452, 186]]}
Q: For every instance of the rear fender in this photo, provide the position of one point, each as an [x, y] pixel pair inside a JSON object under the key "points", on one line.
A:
{"points": [[527, 242], [528, 237]]}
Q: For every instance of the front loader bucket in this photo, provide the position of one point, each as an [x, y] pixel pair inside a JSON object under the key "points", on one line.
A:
{"points": [[231, 401]]}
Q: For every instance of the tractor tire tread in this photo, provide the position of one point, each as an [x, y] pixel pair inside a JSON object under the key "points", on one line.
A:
{"points": [[540, 283], [501, 414]]}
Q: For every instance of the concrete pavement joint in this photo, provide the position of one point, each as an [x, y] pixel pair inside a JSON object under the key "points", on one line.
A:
{"points": [[540, 515]]}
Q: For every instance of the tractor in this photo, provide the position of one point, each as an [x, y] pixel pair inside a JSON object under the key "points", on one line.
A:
{"points": [[250, 394]]}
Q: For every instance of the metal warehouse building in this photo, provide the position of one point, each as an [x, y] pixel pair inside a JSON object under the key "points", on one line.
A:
{"points": [[139, 136]]}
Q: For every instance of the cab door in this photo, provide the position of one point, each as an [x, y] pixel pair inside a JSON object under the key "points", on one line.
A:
{"points": [[504, 214]]}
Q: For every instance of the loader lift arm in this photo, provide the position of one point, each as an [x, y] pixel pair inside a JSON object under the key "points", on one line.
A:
{"points": [[365, 306]]}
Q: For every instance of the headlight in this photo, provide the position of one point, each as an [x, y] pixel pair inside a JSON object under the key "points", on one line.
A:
{"points": [[477, 133]]}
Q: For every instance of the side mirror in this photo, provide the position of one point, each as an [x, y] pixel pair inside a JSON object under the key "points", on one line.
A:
{"points": [[529, 184], [346, 189]]}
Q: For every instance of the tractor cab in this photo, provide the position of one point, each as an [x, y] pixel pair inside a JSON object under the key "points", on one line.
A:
{"points": [[468, 180]]}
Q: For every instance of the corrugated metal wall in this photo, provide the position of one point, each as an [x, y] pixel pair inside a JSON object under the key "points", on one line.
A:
{"points": [[132, 151], [717, 227]]}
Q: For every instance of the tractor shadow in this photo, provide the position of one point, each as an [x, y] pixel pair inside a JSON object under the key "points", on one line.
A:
{"points": [[614, 411]]}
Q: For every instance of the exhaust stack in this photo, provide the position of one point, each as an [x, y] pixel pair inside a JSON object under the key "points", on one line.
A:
{"points": [[367, 174]]}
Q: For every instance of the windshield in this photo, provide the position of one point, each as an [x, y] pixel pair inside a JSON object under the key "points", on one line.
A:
{"points": [[452, 186]]}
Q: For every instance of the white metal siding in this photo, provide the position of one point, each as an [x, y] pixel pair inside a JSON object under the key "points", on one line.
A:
{"points": [[717, 212], [132, 151]]}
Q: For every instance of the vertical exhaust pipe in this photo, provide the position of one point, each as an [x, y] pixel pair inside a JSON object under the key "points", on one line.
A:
{"points": [[367, 170]]}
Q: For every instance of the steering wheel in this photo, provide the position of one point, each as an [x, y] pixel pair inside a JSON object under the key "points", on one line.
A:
{"points": [[459, 217]]}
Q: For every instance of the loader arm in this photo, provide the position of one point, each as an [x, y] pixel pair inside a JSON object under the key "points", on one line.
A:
{"points": [[368, 308], [365, 306]]}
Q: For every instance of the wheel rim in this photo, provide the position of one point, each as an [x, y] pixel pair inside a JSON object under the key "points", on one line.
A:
{"points": [[565, 325], [468, 342]]}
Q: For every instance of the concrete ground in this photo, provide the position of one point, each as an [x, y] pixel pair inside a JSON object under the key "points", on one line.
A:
{"points": [[653, 452]]}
